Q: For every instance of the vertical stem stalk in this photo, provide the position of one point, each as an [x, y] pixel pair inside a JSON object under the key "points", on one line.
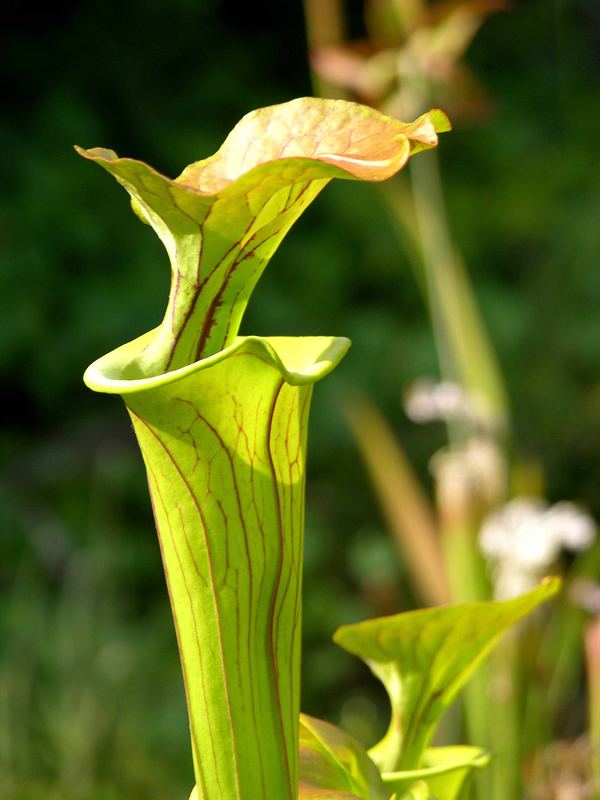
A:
{"points": [[592, 653]]}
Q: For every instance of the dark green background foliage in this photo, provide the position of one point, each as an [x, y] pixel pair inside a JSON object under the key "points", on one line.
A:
{"points": [[91, 705]]}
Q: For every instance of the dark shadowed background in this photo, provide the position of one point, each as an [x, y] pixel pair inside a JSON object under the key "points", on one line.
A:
{"points": [[91, 702]]}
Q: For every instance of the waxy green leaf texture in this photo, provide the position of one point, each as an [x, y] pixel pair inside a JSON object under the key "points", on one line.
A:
{"points": [[223, 218], [424, 658], [224, 444]]}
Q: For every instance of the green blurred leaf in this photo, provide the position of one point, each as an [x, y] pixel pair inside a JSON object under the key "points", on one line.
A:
{"points": [[334, 765], [443, 773], [424, 658], [417, 791], [392, 21]]}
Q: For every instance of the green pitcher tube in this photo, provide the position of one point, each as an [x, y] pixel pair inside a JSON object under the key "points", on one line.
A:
{"points": [[224, 444]]}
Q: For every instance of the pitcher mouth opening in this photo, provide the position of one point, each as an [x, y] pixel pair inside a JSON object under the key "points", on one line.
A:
{"points": [[299, 360]]}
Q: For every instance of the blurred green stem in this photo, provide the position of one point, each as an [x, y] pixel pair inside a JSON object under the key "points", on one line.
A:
{"points": [[464, 349], [505, 732], [459, 523], [592, 648], [325, 25], [560, 656]]}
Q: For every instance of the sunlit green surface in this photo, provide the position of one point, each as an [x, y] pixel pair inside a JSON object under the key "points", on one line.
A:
{"points": [[72, 497]]}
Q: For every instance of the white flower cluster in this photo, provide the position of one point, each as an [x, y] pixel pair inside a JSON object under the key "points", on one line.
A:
{"points": [[471, 472], [428, 401], [524, 538]]}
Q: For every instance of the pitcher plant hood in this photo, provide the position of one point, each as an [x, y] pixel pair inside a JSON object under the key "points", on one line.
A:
{"points": [[223, 218]]}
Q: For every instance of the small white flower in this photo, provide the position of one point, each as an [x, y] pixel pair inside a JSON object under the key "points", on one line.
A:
{"points": [[522, 539], [574, 528], [471, 472], [427, 401]]}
